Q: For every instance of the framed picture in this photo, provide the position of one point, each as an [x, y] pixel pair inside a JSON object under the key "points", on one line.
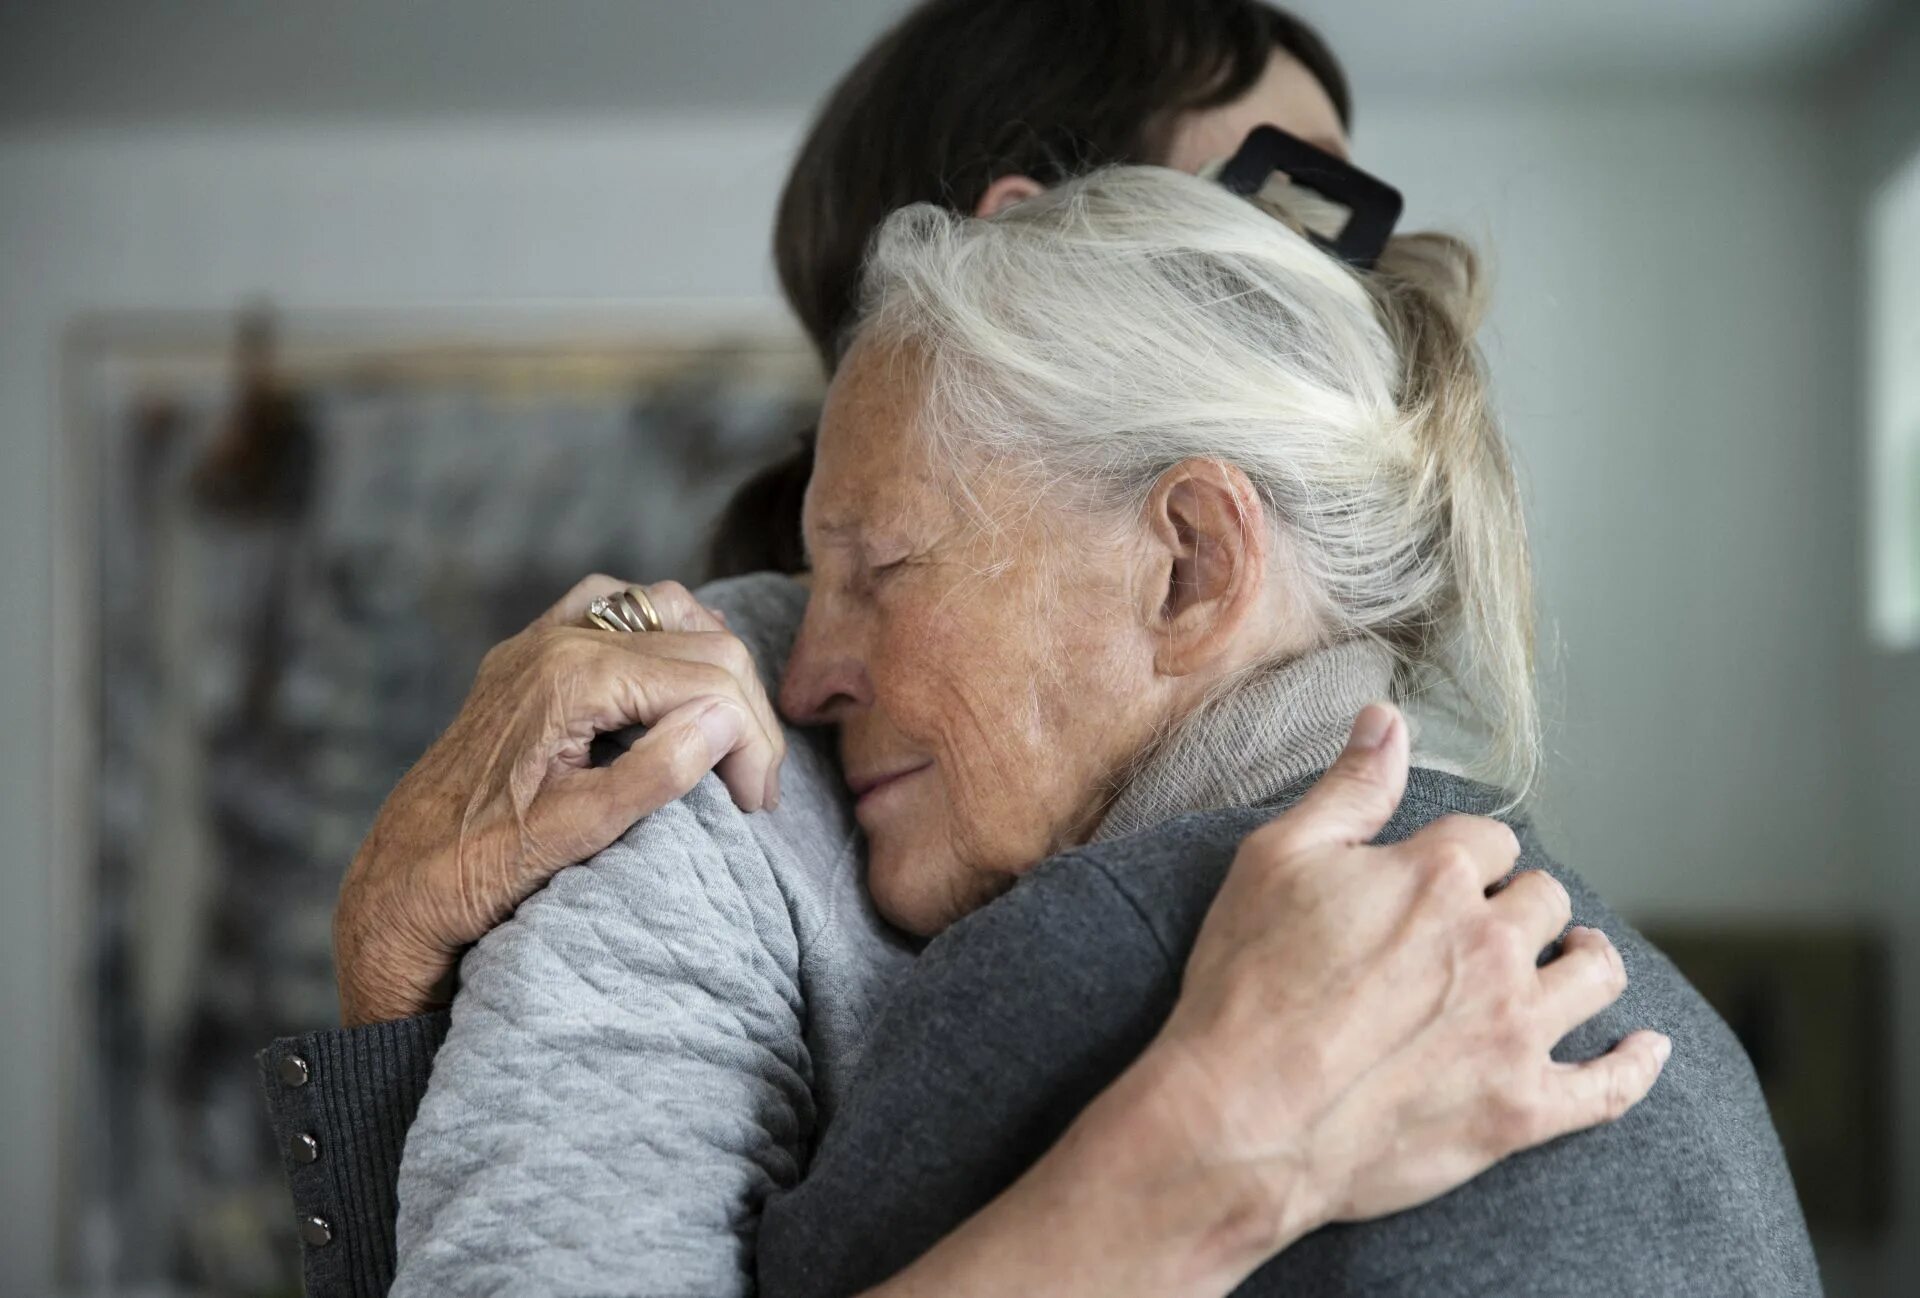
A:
{"points": [[291, 543]]}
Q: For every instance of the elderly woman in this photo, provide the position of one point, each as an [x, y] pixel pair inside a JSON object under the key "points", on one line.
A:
{"points": [[1118, 499], [1124, 502]]}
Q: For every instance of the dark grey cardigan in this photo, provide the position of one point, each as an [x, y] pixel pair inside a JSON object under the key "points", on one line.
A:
{"points": [[1019, 1015]]}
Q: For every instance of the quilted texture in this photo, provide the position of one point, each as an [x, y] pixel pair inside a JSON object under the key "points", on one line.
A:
{"points": [[650, 1046]]}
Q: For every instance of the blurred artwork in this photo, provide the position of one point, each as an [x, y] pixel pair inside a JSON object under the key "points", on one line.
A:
{"points": [[298, 571]]}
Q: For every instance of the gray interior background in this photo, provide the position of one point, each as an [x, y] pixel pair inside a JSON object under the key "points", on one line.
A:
{"points": [[1675, 196]]}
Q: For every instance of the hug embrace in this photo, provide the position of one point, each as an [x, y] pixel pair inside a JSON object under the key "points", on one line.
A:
{"points": [[1081, 848]]}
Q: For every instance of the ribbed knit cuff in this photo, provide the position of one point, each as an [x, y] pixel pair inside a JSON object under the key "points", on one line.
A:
{"points": [[340, 1103]]}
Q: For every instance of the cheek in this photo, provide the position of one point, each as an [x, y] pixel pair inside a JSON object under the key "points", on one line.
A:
{"points": [[972, 682], [963, 688]]}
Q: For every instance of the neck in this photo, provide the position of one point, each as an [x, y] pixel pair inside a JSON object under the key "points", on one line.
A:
{"points": [[1254, 738]]}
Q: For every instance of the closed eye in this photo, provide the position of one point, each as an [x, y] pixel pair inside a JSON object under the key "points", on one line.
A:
{"points": [[879, 573]]}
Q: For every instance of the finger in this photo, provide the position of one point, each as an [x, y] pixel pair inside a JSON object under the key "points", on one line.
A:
{"points": [[1490, 845], [681, 613], [1586, 977], [720, 647], [1585, 1095], [679, 610], [1354, 799], [1537, 904], [626, 684], [597, 805], [678, 607], [571, 608], [725, 650]]}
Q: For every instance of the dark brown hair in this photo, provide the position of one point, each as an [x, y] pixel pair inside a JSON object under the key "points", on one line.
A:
{"points": [[958, 94]]}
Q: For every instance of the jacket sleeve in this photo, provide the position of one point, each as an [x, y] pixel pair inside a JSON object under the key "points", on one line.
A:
{"points": [[625, 1079], [340, 1103]]}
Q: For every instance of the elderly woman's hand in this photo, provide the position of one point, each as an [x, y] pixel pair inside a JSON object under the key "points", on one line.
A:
{"points": [[1360, 1029], [507, 796]]}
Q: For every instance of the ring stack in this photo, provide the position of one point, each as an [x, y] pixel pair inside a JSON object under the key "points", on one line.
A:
{"points": [[628, 611]]}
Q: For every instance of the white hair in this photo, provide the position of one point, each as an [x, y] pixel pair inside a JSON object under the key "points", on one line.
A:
{"points": [[1135, 317]]}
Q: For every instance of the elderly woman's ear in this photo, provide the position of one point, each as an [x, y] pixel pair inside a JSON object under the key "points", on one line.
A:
{"points": [[1208, 587]]}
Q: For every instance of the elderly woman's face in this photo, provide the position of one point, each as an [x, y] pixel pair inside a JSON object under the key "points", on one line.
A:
{"points": [[982, 657]]}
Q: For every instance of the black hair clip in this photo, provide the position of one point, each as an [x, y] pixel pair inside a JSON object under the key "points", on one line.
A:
{"points": [[1373, 206]]}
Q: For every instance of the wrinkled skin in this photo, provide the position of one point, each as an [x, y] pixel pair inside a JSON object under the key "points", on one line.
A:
{"points": [[985, 646]]}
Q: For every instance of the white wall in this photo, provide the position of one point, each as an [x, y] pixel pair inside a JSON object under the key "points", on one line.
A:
{"points": [[1670, 342]]}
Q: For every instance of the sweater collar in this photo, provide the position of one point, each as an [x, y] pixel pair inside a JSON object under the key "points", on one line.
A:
{"points": [[1242, 748]]}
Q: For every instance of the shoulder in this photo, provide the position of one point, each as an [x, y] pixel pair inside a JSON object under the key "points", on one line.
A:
{"points": [[1065, 923], [1688, 1192], [1690, 1182]]}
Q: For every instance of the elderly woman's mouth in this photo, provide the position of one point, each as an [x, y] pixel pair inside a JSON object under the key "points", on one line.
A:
{"points": [[870, 786]]}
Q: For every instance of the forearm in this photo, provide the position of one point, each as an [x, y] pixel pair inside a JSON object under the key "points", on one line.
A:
{"points": [[1127, 1202], [625, 1081], [384, 972]]}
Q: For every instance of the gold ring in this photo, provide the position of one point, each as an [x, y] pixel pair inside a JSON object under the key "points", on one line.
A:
{"points": [[640, 608], [628, 611]]}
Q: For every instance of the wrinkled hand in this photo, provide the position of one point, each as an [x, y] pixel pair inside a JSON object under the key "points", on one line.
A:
{"points": [[1362, 1028], [506, 797]]}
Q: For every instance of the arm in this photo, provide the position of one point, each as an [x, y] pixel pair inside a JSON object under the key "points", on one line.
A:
{"points": [[510, 793], [507, 796], [340, 1103], [625, 1079]]}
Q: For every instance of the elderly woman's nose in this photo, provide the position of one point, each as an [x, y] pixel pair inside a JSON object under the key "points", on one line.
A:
{"points": [[822, 681]]}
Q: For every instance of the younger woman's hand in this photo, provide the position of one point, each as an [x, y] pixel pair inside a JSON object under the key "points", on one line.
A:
{"points": [[507, 796], [1362, 1028]]}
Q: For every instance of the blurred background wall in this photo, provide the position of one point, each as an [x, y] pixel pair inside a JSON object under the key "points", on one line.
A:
{"points": [[1679, 200]]}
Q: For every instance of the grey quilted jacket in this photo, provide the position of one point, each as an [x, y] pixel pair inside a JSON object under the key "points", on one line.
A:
{"points": [[650, 1046]]}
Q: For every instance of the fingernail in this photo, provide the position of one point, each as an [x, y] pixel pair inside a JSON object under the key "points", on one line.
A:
{"points": [[720, 725], [1662, 1048], [1371, 727]]}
